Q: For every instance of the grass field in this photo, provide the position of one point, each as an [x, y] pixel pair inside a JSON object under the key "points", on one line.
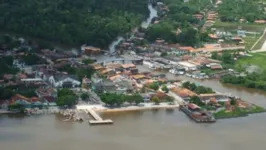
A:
{"points": [[245, 26], [250, 40], [257, 59], [260, 43]]}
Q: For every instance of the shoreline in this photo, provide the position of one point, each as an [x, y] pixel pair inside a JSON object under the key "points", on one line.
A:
{"points": [[114, 110], [102, 109]]}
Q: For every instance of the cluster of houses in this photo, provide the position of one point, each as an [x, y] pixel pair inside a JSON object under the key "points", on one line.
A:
{"points": [[211, 99], [46, 97], [124, 79], [44, 79]]}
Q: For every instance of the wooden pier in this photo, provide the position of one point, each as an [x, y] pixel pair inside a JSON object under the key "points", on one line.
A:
{"points": [[97, 119]]}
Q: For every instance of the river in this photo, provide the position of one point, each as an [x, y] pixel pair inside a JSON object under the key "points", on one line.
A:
{"points": [[145, 24], [149, 130]]}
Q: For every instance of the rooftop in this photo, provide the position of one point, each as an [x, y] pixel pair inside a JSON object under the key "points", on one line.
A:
{"points": [[138, 76], [183, 92]]}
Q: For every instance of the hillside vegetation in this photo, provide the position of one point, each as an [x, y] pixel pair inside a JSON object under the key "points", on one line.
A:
{"points": [[73, 22], [233, 10]]}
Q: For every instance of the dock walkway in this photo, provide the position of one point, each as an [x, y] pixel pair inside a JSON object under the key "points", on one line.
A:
{"points": [[97, 118]]}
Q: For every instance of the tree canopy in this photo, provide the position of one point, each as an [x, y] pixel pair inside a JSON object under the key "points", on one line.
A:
{"points": [[114, 99], [80, 72], [197, 89], [196, 100], [95, 22], [234, 10], [66, 97], [6, 65], [155, 86], [251, 80], [180, 16]]}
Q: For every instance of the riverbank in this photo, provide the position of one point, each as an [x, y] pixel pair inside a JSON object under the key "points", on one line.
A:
{"points": [[147, 106], [224, 114]]}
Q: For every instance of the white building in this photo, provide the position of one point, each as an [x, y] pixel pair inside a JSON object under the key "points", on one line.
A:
{"points": [[188, 66], [31, 80], [64, 81], [148, 64]]}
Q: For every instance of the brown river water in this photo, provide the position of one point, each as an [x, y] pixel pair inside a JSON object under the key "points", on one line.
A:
{"points": [[148, 130]]}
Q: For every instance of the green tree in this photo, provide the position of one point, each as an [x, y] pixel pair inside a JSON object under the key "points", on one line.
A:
{"points": [[162, 31], [84, 96], [88, 61], [203, 90], [67, 100], [73, 22], [31, 59], [215, 55], [112, 99], [163, 54], [186, 85], [28, 92], [6, 93], [233, 101], [64, 92], [227, 58], [156, 100], [188, 37], [155, 86], [196, 100], [135, 98], [165, 89]]}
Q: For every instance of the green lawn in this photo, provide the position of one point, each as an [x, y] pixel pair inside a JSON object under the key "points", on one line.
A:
{"points": [[258, 59], [239, 112], [250, 40], [260, 43], [245, 26]]}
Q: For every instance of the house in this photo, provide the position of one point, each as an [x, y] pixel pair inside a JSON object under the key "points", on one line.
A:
{"points": [[113, 66], [64, 81], [187, 48], [104, 86], [8, 77], [90, 49], [134, 71], [138, 77], [260, 21], [198, 16], [98, 67], [4, 104], [108, 72], [31, 80], [215, 66], [187, 65], [148, 64], [213, 36], [26, 102], [176, 50], [124, 86], [48, 100], [45, 74], [218, 97], [86, 82], [41, 92], [128, 66], [183, 93]]}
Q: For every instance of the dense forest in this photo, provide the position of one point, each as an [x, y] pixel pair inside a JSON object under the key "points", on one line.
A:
{"points": [[180, 16], [233, 10], [73, 22], [253, 80]]}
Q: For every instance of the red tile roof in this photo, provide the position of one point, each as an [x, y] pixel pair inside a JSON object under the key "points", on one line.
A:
{"points": [[193, 106]]}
